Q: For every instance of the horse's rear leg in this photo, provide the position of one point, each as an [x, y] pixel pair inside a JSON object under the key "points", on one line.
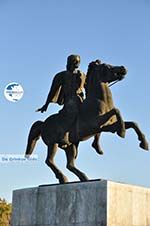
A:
{"points": [[52, 149], [71, 155], [95, 144], [141, 136]]}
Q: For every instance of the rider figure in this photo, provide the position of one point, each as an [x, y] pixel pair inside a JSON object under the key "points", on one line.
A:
{"points": [[67, 90]]}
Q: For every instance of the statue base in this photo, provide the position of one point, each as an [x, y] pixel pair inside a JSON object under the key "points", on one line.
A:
{"points": [[92, 203]]}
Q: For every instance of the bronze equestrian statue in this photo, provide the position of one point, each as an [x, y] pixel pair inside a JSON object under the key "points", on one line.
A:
{"points": [[92, 116], [67, 90]]}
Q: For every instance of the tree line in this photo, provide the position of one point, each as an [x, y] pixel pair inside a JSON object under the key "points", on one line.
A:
{"points": [[5, 212]]}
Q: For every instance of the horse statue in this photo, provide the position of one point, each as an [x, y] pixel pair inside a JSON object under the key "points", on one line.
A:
{"points": [[97, 114]]}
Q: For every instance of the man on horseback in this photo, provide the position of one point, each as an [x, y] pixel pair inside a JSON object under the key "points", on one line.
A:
{"points": [[97, 114], [67, 90]]}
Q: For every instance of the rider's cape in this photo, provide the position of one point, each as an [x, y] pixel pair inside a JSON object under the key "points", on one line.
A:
{"points": [[57, 92]]}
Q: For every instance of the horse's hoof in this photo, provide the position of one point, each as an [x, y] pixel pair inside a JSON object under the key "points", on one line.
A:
{"points": [[144, 145], [121, 133], [97, 148], [100, 152], [84, 178], [63, 180]]}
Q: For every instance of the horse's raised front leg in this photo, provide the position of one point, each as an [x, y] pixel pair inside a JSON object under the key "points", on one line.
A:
{"points": [[141, 136], [121, 125], [95, 144], [52, 149], [102, 119], [113, 128], [71, 155]]}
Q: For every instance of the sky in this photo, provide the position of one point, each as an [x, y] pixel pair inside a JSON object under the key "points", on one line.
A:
{"points": [[35, 39]]}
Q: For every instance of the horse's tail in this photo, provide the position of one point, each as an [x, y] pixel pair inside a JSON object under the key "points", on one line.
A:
{"points": [[34, 135]]}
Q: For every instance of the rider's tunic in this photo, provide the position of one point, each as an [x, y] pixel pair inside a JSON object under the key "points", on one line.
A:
{"points": [[67, 90]]}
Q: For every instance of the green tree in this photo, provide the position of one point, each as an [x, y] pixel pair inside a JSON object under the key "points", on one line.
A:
{"points": [[5, 212]]}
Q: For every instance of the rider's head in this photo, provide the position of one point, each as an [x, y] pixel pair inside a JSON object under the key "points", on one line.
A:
{"points": [[73, 62], [98, 62]]}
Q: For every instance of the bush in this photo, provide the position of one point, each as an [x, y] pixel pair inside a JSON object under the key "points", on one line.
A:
{"points": [[5, 213]]}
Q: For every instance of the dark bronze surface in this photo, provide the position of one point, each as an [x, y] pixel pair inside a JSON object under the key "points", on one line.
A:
{"points": [[81, 118]]}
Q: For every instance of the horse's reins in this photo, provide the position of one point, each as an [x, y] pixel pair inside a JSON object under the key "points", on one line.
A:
{"points": [[114, 83]]}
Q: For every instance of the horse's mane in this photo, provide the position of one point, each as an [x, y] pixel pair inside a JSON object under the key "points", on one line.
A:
{"points": [[92, 76]]}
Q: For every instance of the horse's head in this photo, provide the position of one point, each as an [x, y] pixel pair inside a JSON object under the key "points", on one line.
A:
{"points": [[118, 72], [105, 72]]}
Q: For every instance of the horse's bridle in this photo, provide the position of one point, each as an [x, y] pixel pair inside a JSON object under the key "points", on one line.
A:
{"points": [[114, 83]]}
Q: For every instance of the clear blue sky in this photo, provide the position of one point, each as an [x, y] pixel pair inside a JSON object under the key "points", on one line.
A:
{"points": [[35, 39]]}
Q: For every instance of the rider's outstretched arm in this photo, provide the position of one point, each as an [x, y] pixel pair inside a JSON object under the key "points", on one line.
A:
{"points": [[53, 93]]}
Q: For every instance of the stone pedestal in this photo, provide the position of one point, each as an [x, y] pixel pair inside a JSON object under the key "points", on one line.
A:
{"points": [[93, 203]]}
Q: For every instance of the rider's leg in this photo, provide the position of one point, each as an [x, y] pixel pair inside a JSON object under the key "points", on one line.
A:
{"points": [[67, 122], [68, 114]]}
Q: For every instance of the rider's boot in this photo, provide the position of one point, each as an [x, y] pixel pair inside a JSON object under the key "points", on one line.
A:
{"points": [[64, 140]]}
